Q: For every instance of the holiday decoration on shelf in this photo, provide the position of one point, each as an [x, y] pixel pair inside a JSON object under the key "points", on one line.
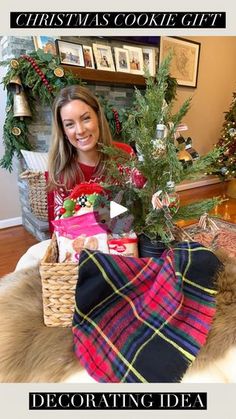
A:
{"points": [[226, 163], [29, 77], [185, 157], [152, 127]]}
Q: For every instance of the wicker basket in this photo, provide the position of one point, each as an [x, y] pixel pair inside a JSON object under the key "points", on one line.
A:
{"points": [[37, 193], [58, 285]]}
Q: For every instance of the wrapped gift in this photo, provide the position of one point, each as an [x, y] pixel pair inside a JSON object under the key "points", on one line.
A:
{"points": [[77, 233]]}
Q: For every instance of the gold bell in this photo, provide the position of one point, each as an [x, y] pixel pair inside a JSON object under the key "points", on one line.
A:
{"points": [[15, 84], [20, 105]]}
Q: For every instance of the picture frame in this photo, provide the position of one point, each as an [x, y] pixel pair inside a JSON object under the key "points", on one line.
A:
{"points": [[88, 57], [185, 62], [149, 60], [46, 43], [103, 57], [122, 60], [135, 59], [70, 53]]}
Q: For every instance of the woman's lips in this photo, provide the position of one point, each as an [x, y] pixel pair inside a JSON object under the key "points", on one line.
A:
{"points": [[83, 140]]}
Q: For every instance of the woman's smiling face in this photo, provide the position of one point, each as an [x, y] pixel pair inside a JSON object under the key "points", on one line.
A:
{"points": [[80, 124]]}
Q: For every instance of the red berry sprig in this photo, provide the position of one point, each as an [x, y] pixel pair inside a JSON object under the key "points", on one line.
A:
{"points": [[38, 71], [117, 121]]}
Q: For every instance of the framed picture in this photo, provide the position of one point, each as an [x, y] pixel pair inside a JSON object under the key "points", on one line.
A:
{"points": [[149, 60], [46, 43], [103, 57], [88, 57], [185, 61], [135, 59], [122, 60], [70, 53]]}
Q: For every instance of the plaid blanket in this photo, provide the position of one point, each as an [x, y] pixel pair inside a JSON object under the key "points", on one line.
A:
{"points": [[143, 319]]}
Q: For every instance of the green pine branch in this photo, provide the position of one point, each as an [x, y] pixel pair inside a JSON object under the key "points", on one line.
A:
{"points": [[196, 209]]}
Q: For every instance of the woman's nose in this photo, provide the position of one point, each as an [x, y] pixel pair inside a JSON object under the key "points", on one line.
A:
{"points": [[79, 128]]}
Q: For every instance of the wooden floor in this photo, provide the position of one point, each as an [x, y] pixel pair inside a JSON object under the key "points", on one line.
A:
{"points": [[16, 240]]}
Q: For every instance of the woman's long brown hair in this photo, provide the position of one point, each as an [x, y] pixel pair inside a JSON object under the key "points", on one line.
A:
{"points": [[64, 169]]}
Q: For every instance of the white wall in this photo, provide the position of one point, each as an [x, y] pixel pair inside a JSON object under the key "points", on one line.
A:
{"points": [[10, 210]]}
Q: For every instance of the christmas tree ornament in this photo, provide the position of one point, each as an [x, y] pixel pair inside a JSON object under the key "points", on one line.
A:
{"points": [[170, 185], [160, 131], [59, 72], [156, 201], [173, 196], [16, 131], [224, 171], [159, 148], [139, 154], [159, 145], [138, 179], [232, 132]]}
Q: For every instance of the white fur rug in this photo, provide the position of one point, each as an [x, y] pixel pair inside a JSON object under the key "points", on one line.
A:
{"points": [[32, 352]]}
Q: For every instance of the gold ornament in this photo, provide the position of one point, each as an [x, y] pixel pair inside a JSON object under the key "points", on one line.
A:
{"points": [[14, 64], [184, 155], [59, 72], [159, 148], [15, 84], [16, 131]]}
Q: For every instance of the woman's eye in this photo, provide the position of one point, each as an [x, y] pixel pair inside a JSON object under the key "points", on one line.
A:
{"points": [[70, 124]]}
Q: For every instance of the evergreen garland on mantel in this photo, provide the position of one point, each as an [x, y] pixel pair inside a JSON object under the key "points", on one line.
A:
{"points": [[42, 78]]}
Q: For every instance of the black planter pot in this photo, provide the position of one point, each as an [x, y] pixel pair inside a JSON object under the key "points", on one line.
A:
{"points": [[150, 248]]}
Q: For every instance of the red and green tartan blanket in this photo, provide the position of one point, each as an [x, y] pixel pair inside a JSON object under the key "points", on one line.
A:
{"points": [[143, 319]]}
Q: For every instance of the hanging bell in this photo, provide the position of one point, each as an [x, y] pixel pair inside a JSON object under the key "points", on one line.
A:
{"points": [[20, 105], [15, 85]]}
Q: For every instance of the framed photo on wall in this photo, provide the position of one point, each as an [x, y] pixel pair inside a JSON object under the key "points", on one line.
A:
{"points": [[46, 43], [122, 60], [103, 57], [149, 60], [135, 59], [88, 57], [70, 53], [185, 61]]}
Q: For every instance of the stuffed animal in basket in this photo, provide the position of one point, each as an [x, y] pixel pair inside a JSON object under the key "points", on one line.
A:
{"points": [[85, 223]]}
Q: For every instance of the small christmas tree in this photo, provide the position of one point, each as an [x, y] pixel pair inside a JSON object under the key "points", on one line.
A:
{"points": [[152, 126], [226, 163]]}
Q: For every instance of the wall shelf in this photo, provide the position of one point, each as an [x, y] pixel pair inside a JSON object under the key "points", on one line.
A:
{"points": [[110, 77]]}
